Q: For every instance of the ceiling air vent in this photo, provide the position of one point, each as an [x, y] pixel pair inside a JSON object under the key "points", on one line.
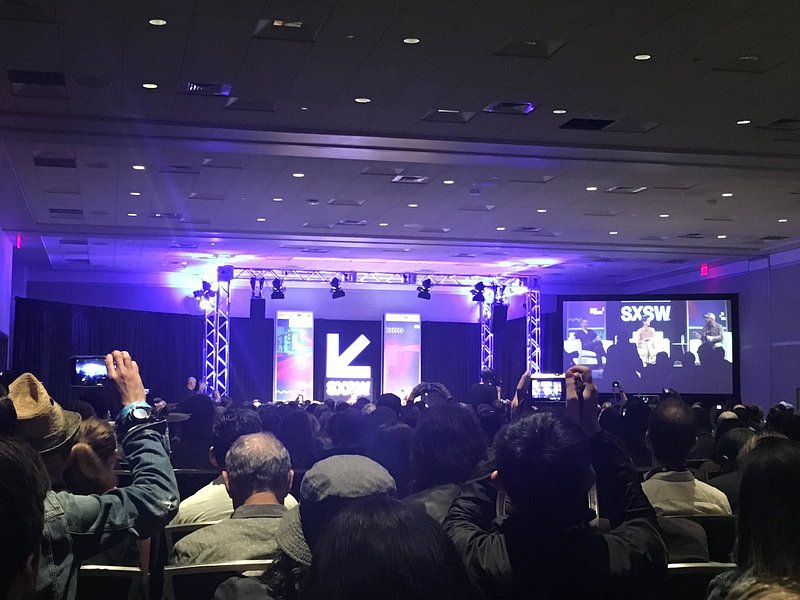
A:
{"points": [[312, 250], [37, 84], [587, 124], [676, 261], [66, 212], [603, 213], [208, 197], [435, 229], [446, 115], [632, 126], [719, 219], [345, 202], [292, 29], [73, 242], [57, 163], [653, 238], [185, 169], [382, 170], [530, 48], [465, 255], [478, 207], [510, 108], [77, 261], [195, 222], [352, 222], [312, 225], [625, 189], [410, 179], [207, 89], [774, 238], [183, 245], [692, 236], [528, 229], [785, 124], [165, 215]]}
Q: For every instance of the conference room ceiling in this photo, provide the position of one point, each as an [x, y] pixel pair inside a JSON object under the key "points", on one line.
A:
{"points": [[251, 93]]}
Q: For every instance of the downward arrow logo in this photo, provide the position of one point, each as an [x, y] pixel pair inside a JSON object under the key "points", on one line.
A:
{"points": [[337, 366]]}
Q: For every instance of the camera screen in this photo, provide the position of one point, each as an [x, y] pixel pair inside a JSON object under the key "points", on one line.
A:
{"points": [[547, 389], [89, 371]]}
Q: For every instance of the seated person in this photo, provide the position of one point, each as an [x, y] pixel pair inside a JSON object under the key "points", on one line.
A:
{"points": [[258, 476], [545, 548], [590, 340], [644, 337], [671, 488], [212, 503]]}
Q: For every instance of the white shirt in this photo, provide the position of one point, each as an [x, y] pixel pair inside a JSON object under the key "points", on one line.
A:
{"points": [[679, 493], [211, 503]]}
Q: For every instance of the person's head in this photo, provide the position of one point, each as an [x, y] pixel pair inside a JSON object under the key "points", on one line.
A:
{"points": [[90, 468], [390, 401], [43, 423], [296, 434], [347, 428], [753, 588], [488, 376], [728, 447], [23, 486], [8, 416], [257, 465], [419, 560], [584, 324], [702, 419], [710, 318], [327, 488], [391, 447], [544, 465], [754, 441], [671, 433], [768, 527], [646, 322], [191, 384], [228, 427], [447, 444]]}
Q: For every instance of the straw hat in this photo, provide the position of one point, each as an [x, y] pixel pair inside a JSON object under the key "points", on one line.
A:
{"points": [[40, 420]]}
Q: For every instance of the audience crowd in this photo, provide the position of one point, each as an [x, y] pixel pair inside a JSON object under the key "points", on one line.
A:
{"points": [[422, 497]]}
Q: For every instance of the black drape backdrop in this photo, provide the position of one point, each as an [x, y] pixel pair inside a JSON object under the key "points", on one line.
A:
{"points": [[167, 348], [46, 334]]}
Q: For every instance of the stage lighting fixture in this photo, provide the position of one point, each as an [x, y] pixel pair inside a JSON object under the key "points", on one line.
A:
{"points": [[205, 297], [425, 289], [336, 289], [253, 288], [277, 289], [477, 292]]}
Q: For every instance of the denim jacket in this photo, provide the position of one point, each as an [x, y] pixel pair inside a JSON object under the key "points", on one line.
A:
{"points": [[78, 527]]}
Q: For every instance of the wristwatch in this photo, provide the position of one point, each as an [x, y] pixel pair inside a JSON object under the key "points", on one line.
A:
{"points": [[136, 416]]}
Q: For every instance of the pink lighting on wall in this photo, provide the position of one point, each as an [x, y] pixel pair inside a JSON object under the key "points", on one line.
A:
{"points": [[704, 270]]}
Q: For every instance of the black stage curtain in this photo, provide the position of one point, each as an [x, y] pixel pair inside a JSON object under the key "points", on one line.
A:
{"points": [[451, 354], [252, 365], [46, 334], [510, 358]]}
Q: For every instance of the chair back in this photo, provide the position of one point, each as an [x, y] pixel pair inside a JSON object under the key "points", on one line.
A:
{"points": [[721, 533], [175, 533], [689, 581], [199, 582], [101, 582]]}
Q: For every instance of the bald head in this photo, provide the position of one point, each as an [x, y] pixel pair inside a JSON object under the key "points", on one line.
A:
{"points": [[255, 464]]}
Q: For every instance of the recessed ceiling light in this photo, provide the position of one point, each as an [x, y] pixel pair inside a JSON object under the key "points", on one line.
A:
{"points": [[298, 175], [133, 215], [500, 228], [750, 57], [448, 182], [150, 86], [383, 224], [664, 216], [349, 36], [613, 233], [559, 111], [411, 40], [541, 210], [591, 188], [413, 205], [743, 122], [303, 108], [157, 22], [783, 220], [642, 57], [261, 219], [184, 263], [138, 167], [363, 100], [277, 199], [727, 195], [136, 193], [213, 243], [721, 237]]}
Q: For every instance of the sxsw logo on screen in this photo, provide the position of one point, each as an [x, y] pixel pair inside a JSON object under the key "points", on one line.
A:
{"points": [[341, 377], [637, 313]]}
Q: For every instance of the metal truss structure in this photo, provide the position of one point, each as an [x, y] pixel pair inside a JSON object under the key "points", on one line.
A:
{"points": [[216, 346]]}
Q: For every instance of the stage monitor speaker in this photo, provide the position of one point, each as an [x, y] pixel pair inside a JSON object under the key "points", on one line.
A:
{"points": [[499, 317], [258, 308]]}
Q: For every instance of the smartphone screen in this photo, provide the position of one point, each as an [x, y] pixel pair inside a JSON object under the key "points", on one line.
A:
{"points": [[89, 371]]}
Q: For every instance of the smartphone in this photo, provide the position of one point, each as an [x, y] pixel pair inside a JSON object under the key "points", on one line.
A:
{"points": [[88, 371], [548, 386], [616, 387]]}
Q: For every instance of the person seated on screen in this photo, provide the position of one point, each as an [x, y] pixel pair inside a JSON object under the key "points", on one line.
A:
{"points": [[258, 476], [644, 338], [591, 341], [671, 488], [712, 331], [546, 466]]}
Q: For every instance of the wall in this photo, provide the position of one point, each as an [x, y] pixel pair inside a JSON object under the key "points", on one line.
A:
{"points": [[769, 323], [6, 258]]}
